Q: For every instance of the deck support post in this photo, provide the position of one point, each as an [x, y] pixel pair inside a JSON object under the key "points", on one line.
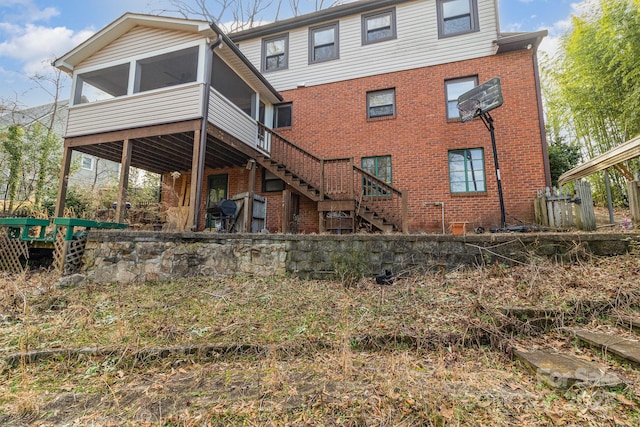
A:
{"points": [[248, 219], [64, 181], [123, 191], [197, 177]]}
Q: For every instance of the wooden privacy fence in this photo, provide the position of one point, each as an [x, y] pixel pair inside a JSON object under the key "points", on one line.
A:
{"points": [[562, 208]]}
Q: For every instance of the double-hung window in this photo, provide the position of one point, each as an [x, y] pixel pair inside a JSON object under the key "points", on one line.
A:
{"points": [[323, 43], [454, 88], [466, 171], [379, 26], [457, 17], [381, 103], [275, 54]]}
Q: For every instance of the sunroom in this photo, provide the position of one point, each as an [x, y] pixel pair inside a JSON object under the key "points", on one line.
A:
{"points": [[165, 95]]}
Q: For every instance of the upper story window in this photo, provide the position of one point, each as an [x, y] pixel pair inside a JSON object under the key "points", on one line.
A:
{"points": [[323, 43], [275, 53], [169, 69], [101, 84], [379, 26], [381, 103], [457, 17], [454, 88], [282, 115]]}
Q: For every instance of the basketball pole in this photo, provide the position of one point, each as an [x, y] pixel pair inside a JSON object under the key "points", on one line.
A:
{"points": [[488, 123]]}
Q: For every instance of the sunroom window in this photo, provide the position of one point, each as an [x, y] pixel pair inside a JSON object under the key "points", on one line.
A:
{"points": [[169, 69], [102, 84], [232, 87]]}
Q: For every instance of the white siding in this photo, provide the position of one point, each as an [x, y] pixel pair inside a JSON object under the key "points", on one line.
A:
{"points": [[148, 108], [139, 40], [231, 119], [417, 45]]}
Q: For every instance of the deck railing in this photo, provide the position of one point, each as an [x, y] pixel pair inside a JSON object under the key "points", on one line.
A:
{"points": [[383, 198], [231, 119], [336, 179]]}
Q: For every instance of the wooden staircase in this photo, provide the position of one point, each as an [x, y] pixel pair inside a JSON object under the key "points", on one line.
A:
{"points": [[344, 192]]}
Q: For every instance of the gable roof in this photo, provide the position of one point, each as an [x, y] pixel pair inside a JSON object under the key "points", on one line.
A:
{"points": [[121, 26], [126, 22]]}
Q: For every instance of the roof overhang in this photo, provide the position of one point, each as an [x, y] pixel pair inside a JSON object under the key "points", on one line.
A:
{"points": [[126, 22], [238, 60], [509, 42], [330, 13], [122, 25], [627, 151]]}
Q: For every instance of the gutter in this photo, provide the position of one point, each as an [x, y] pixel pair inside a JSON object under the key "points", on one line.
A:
{"points": [[328, 14], [231, 45], [543, 130]]}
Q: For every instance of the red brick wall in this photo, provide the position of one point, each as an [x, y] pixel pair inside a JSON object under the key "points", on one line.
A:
{"points": [[330, 121]]}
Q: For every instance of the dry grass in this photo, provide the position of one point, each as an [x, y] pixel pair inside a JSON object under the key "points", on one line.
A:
{"points": [[426, 350]]}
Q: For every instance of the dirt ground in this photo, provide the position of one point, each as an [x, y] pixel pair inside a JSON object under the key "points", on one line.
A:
{"points": [[425, 350]]}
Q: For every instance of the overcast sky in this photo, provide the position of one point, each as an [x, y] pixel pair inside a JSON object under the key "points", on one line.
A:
{"points": [[34, 32]]}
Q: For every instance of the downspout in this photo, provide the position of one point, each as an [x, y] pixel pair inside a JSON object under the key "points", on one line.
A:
{"points": [[543, 131], [203, 130]]}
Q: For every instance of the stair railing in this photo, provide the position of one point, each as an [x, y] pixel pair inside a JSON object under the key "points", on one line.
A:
{"points": [[337, 179], [298, 161], [382, 198]]}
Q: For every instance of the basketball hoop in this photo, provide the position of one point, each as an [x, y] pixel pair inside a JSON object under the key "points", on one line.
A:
{"points": [[479, 100], [477, 103]]}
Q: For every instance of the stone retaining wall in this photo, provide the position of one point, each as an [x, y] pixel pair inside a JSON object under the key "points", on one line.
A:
{"points": [[125, 256]]}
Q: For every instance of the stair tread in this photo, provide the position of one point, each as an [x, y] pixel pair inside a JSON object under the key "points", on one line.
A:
{"points": [[562, 370], [621, 347]]}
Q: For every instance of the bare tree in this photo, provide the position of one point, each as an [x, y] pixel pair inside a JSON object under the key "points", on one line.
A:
{"points": [[30, 148], [237, 15]]}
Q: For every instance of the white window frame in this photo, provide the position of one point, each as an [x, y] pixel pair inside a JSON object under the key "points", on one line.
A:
{"points": [[92, 162], [133, 66]]}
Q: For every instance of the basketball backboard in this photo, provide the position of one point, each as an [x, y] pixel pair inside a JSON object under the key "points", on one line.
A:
{"points": [[479, 100]]}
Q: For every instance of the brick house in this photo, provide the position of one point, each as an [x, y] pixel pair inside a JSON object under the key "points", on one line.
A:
{"points": [[341, 119]]}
